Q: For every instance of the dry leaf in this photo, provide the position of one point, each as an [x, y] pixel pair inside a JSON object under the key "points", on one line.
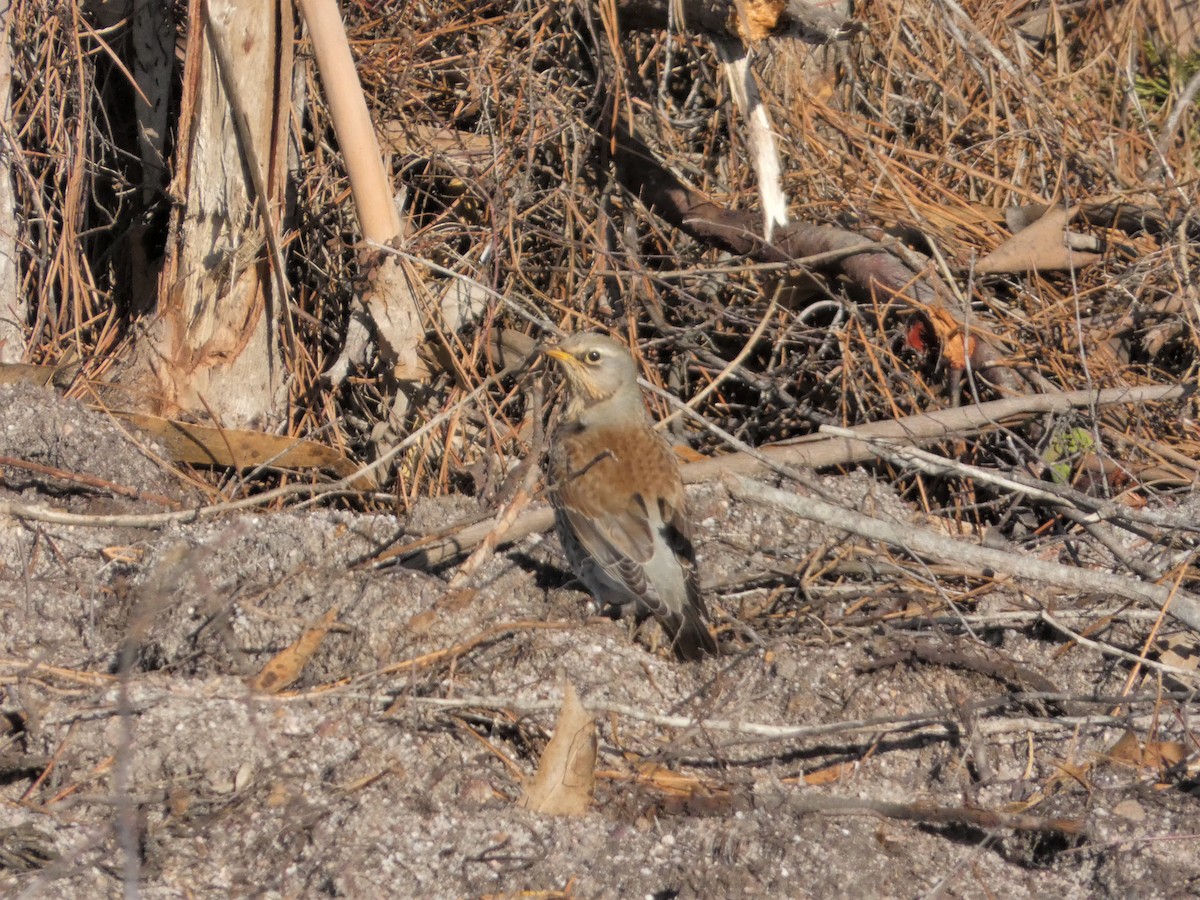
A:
{"points": [[754, 20], [947, 336], [1040, 247], [1164, 754], [830, 774], [422, 622], [1126, 750], [286, 665], [566, 774], [687, 454], [1180, 651], [1151, 755], [204, 445], [456, 600]]}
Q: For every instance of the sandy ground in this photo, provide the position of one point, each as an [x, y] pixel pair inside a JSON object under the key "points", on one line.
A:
{"points": [[133, 755]]}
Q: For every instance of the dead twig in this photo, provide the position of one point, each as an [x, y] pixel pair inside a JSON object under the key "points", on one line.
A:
{"points": [[1116, 652], [1092, 509], [434, 658], [88, 481], [814, 452], [927, 427], [1184, 606]]}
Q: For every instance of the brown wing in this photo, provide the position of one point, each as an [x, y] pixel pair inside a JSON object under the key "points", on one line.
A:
{"points": [[603, 484], [593, 487]]}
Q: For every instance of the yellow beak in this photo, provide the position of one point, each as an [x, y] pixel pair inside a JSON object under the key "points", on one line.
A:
{"points": [[561, 355]]}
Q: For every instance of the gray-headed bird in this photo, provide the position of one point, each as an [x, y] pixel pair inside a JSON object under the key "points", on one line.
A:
{"points": [[618, 498]]}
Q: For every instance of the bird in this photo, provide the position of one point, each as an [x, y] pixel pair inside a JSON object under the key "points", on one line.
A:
{"points": [[618, 497]]}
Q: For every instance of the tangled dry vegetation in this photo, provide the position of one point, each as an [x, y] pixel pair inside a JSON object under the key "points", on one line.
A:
{"points": [[973, 142]]}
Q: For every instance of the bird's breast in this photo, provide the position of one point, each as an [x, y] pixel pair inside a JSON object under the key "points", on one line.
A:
{"points": [[601, 469]]}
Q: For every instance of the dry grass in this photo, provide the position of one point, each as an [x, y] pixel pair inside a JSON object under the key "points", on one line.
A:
{"points": [[935, 123]]}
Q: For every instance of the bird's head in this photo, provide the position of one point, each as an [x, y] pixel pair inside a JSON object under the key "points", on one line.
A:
{"points": [[596, 367]]}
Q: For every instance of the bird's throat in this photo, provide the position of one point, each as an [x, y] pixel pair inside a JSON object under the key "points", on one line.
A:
{"points": [[623, 407]]}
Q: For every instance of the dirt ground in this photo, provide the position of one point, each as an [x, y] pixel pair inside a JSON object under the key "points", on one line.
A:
{"points": [[962, 750]]}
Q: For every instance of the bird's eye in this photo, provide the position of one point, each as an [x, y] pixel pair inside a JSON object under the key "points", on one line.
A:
{"points": [[593, 356]]}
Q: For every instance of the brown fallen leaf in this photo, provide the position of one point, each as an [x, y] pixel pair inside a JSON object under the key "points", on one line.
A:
{"points": [[830, 774], [1128, 750], [22, 373], [687, 454], [566, 774], [1164, 754], [204, 445], [286, 665], [422, 622], [947, 336], [1040, 247]]}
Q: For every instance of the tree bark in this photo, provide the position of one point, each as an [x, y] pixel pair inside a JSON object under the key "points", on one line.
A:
{"points": [[213, 348], [14, 312]]}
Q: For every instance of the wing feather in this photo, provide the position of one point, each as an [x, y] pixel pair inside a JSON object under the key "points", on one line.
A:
{"points": [[620, 498]]}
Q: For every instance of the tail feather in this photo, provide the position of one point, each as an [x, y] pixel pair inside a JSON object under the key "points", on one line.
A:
{"points": [[690, 638]]}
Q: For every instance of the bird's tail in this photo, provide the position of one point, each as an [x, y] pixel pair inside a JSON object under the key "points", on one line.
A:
{"points": [[690, 638]]}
